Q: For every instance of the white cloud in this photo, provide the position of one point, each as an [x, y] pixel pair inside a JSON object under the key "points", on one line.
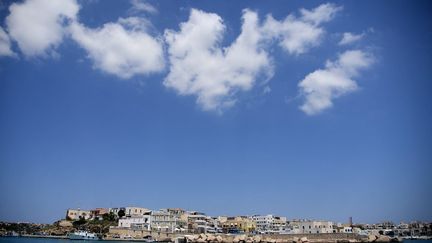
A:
{"points": [[142, 6], [323, 85], [321, 14], [297, 35], [123, 48], [5, 44], [200, 66], [38, 25], [349, 38]]}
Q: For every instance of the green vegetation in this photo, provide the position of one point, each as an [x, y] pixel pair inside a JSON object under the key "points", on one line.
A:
{"points": [[121, 213], [109, 217], [79, 222], [100, 226]]}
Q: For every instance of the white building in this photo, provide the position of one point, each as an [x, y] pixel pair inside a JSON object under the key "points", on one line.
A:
{"points": [[346, 229], [136, 211], [115, 210], [312, 227], [140, 222], [269, 223], [131, 211], [163, 221]]}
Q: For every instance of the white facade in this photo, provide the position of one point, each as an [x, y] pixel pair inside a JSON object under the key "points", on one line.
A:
{"points": [[136, 211], [269, 223], [163, 221], [346, 229], [142, 222], [115, 210], [131, 211], [313, 227]]}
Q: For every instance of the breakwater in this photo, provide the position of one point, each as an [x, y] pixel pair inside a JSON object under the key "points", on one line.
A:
{"points": [[228, 238]]}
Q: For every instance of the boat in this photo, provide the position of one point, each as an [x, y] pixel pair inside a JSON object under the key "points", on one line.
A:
{"points": [[12, 234], [83, 235]]}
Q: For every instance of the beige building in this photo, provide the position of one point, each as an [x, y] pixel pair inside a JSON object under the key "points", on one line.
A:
{"points": [[98, 212], [174, 211], [136, 211], [76, 214], [237, 224], [195, 222]]}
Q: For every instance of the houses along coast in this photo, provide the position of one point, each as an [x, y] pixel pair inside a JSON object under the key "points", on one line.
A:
{"points": [[171, 224]]}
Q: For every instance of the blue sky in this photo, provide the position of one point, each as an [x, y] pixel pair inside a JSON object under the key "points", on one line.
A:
{"points": [[204, 105]]}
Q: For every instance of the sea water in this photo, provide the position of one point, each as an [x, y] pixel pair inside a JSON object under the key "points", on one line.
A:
{"points": [[47, 240]]}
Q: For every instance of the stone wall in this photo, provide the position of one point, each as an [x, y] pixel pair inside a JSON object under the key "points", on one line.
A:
{"points": [[323, 236], [275, 238], [164, 236], [139, 234]]}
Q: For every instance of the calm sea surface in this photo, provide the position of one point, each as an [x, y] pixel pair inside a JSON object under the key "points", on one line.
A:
{"points": [[39, 240], [44, 240]]}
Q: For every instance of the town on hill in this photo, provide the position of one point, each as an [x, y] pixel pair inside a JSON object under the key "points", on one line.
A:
{"points": [[138, 223]]}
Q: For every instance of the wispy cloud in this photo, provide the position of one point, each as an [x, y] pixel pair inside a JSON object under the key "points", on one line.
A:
{"points": [[142, 6], [349, 38], [267, 90], [320, 87], [297, 35], [321, 14], [5, 44]]}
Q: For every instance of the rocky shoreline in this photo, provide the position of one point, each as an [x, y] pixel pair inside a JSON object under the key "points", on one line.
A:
{"points": [[209, 238], [221, 238]]}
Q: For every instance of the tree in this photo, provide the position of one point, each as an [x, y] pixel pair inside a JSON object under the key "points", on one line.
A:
{"points": [[79, 222], [121, 213], [109, 216]]}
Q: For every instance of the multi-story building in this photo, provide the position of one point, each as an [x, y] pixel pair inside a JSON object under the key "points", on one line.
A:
{"points": [[269, 223], [136, 222], [195, 222], [239, 224], [131, 211], [163, 221], [345, 229], [174, 211], [98, 212], [312, 227], [213, 225], [76, 214], [136, 211], [115, 211]]}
